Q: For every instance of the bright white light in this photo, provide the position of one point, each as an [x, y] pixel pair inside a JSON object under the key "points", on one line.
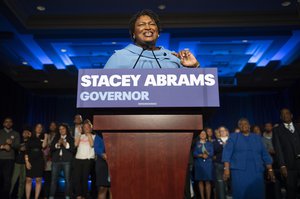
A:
{"points": [[285, 3], [162, 7], [41, 8]]}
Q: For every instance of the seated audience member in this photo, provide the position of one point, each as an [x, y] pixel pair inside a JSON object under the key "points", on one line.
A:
{"points": [[34, 160], [244, 157], [19, 173], [218, 165], [203, 165], [83, 159], [62, 150]]}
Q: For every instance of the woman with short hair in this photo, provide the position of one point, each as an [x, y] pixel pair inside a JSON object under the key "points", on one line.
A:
{"points": [[245, 157], [144, 29]]}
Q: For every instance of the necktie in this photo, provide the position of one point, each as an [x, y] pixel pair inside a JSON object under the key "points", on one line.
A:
{"points": [[290, 128]]}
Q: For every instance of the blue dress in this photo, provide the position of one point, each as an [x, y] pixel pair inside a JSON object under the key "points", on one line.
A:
{"points": [[126, 58], [247, 156], [102, 173], [203, 168]]}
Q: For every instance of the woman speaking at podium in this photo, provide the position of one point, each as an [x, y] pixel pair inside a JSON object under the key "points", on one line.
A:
{"points": [[144, 29]]}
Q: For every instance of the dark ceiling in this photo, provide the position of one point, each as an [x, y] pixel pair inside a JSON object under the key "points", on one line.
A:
{"points": [[254, 44]]}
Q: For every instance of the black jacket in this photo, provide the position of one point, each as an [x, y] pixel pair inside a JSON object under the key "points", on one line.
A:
{"points": [[286, 145], [68, 154]]}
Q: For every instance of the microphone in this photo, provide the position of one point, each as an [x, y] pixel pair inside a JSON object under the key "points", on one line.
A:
{"points": [[156, 59], [138, 58], [147, 47]]}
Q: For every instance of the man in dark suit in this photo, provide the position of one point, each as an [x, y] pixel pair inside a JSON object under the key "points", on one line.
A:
{"points": [[286, 141]]}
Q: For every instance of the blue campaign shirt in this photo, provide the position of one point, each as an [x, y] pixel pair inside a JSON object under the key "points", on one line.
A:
{"points": [[126, 58], [99, 146]]}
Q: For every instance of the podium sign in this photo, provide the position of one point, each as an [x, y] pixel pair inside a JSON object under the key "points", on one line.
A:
{"points": [[118, 88]]}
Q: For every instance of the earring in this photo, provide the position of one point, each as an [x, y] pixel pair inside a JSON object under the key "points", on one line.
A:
{"points": [[157, 35]]}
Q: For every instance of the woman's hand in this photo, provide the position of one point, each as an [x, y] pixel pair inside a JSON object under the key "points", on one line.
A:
{"points": [[104, 156], [28, 165], [187, 59], [204, 156], [7, 147]]}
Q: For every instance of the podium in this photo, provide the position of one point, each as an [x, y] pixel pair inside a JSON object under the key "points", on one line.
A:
{"points": [[148, 154]]}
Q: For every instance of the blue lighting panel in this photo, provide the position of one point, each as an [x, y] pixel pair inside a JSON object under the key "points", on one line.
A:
{"points": [[285, 53]]}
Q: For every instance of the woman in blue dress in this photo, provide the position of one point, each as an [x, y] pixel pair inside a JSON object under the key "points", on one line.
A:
{"points": [[203, 164], [244, 157], [102, 173]]}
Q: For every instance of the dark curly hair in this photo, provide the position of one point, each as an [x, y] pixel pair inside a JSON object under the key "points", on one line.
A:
{"points": [[146, 12]]}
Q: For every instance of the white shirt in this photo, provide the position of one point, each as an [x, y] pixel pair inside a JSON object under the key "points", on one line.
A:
{"points": [[84, 150], [59, 147], [77, 131], [224, 139], [290, 127]]}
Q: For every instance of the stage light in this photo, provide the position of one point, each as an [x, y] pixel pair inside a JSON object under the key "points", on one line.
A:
{"points": [[245, 41], [24, 62], [275, 79], [285, 3], [63, 50], [41, 8], [113, 42], [162, 7], [46, 81]]}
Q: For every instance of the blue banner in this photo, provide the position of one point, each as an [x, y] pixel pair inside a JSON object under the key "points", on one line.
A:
{"points": [[112, 88]]}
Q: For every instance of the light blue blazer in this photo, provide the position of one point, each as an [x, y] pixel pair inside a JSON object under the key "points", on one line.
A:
{"points": [[126, 58]]}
